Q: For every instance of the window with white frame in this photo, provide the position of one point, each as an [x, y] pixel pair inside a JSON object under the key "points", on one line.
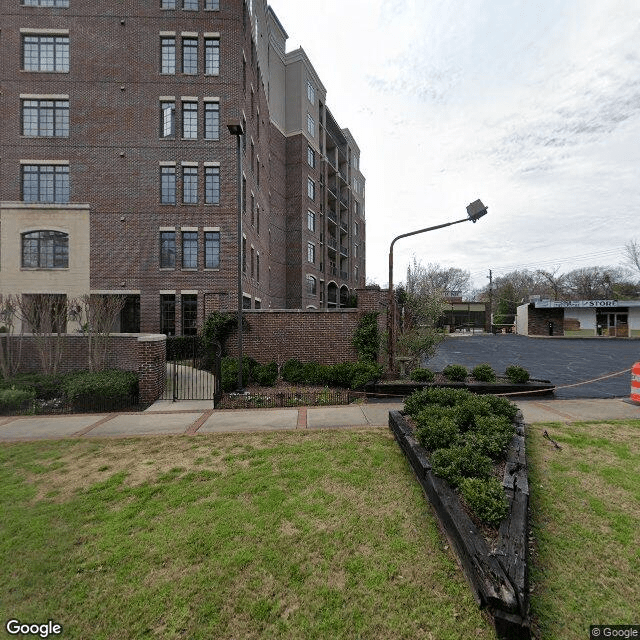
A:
{"points": [[311, 125], [311, 220], [189, 120], [311, 157], [190, 56], [212, 185], [311, 93], [212, 120], [212, 5], [167, 4], [212, 56], [167, 118], [212, 250], [311, 189], [45, 118], [45, 183], [168, 185], [190, 5], [45, 52], [189, 249], [45, 250], [168, 55], [190, 185], [311, 252]]}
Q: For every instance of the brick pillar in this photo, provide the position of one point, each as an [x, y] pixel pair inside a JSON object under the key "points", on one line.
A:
{"points": [[152, 356]]}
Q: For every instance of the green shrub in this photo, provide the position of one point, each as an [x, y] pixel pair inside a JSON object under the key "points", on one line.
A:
{"points": [[364, 372], [15, 399], [108, 389], [484, 373], [418, 400], [45, 387], [265, 375], [455, 372], [517, 374], [436, 432], [366, 338], [292, 371], [469, 409], [341, 375], [314, 373], [502, 407], [459, 462], [422, 375], [229, 372], [486, 499], [217, 328], [182, 347], [491, 435]]}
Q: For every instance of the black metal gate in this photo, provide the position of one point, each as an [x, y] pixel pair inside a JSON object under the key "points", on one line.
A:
{"points": [[193, 372]]}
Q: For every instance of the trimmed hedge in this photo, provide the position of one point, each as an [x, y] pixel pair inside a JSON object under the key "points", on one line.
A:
{"points": [[484, 373], [422, 375], [517, 374], [15, 399], [107, 389], [455, 372], [350, 375]]}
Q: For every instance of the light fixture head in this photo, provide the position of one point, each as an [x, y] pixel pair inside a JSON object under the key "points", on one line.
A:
{"points": [[476, 210]]}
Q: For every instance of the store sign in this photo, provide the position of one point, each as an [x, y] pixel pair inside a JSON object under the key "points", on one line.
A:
{"points": [[584, 304]]}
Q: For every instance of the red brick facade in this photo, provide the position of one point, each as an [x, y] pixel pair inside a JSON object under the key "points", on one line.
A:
{"points": [[116, 148]]}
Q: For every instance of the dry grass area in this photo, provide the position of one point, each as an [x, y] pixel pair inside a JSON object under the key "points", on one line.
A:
{"points": [[317, 534]]}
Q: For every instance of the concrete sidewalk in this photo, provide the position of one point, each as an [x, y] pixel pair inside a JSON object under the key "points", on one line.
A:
{"points": [[195, 417]]}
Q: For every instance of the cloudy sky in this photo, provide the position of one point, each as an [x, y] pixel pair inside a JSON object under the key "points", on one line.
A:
{"points": [[534, 107]]}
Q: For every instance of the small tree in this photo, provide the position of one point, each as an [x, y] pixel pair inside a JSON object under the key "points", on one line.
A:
{"points": [[97, 315], [10, 350]]}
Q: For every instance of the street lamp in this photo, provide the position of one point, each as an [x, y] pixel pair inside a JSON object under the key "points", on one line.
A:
{"points": [[475, 211], [235, 129]]}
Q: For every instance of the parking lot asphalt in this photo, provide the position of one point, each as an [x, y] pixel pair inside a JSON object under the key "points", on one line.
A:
{"points": [[563, 361]]}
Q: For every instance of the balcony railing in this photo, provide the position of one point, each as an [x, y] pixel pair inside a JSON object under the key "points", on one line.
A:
{"points": [[344, 251], [332, 216], [332, 243]]}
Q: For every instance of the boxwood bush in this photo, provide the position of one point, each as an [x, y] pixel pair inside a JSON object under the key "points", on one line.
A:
{"points": [[455, 372], [517, 374], [103, 389], [15, 399], [484, 373], [422, 375], [266, 375], [464, 434]]}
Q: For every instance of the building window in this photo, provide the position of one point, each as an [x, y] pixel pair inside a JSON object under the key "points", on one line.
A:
{"points": [[45, 118], [45, 250], [257, 268], [189, 249], [168, 4], [167, 119], [212, 56], [45, 53], [253, 261], [212, 250], [190, 55], [46, 3], [311, 188], [311, 286], [311, 125], [244, 255], [167, 249], [257, 304], [190, 5], [45, 183], [168, 314], [258, 219], [212, 185], [189, 314], [212, 5], [212, 120], [190, 185], [167, 185], [189, 120], [246, 302], [311, 220], [311, 252], [311, 157], [311, 93], [253, 208], [168, 55]]}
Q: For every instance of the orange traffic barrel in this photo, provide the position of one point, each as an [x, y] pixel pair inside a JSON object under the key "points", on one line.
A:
{"points": [[635, 383]]}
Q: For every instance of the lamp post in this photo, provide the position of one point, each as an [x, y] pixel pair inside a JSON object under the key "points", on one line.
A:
{"points": [[235, 129], [475, 211]]}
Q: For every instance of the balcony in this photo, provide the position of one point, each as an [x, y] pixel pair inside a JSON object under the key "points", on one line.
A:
{"points": [[332, 217], [344, 251], [332, 243]]}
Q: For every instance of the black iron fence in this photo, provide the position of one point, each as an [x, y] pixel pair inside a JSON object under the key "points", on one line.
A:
{"points": [[289, 398]]}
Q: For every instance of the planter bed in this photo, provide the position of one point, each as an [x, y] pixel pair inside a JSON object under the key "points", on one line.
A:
{"points": [[502, 385], [497, 573]]}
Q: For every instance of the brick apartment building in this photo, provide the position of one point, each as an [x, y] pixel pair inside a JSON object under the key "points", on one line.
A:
{"points": [[118, 174]]}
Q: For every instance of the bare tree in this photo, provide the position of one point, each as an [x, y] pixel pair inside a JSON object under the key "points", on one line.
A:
{"points": [[45, 316], [632, 249], [433, 279], [595, 283], [554, 281], [97, 315], [10, 348]]}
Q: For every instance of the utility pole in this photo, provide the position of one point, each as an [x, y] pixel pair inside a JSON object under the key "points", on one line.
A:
{"points": [[490, 300]]}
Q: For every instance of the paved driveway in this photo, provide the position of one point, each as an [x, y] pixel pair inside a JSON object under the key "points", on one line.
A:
{"points": [[562, 361]]}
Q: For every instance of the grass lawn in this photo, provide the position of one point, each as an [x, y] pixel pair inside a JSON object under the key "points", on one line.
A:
{"points": [[585, 503], [310, 534]]}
